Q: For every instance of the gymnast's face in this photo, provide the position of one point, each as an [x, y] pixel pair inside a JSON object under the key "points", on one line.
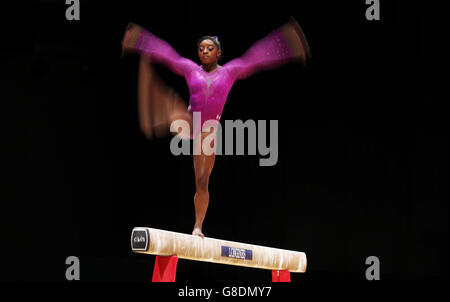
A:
{"points": [[208, 52]]}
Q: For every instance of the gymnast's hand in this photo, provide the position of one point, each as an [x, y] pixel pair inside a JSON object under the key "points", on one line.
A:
{"points": [[130, 38], [297, 41]]}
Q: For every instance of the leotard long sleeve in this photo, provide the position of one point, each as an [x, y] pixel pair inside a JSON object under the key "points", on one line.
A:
{"points": [[209, 91]]}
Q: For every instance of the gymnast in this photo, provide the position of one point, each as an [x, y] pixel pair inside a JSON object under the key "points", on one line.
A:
{"points": [[209, 84]]}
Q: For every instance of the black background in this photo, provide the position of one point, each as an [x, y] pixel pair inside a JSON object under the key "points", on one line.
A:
{"points": [[363, 142]]}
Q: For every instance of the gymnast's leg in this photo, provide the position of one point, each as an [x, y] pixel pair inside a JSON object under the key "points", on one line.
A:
{"points": [[203, 165]]}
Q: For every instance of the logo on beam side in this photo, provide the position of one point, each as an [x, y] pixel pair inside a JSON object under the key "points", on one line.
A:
{"points": [[237, 253], [140, 239]]}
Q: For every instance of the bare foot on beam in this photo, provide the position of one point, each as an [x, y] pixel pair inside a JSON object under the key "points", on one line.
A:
{"points": [[198, 232]]}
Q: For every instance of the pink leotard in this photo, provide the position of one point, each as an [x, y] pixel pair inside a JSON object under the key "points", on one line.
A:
{"points": [[209, 91]]}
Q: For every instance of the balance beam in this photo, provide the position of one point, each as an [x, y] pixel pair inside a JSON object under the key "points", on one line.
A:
{"points": [[164, 243]]}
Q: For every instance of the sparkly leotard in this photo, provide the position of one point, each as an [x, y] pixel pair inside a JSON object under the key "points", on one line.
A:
{"points": [[209, 91]]}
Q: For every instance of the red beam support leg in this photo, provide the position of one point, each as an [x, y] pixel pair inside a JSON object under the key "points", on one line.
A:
{"points": [[165, 269], [281, 276]]}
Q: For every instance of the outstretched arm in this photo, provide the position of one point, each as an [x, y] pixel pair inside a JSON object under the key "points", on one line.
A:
{"points": [[137, 39], [285, 44]]}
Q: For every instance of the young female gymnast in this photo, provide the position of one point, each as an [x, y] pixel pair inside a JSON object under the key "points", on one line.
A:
{"points": [[209, 84]]}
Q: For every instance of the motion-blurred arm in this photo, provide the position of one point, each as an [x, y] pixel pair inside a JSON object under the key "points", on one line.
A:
{"points": [[139, 40], [158, 105], [283, 45]]}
